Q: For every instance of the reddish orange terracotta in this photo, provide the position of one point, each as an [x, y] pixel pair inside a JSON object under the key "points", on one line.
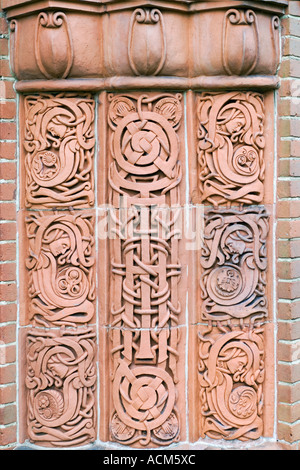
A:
{"points": [[107, 200]]}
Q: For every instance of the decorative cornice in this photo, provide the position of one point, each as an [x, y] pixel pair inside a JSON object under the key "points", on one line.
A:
{"points": [[95, 45], [15, 8]]}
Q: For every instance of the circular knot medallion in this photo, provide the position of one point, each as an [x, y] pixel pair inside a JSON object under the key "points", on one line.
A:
{"points": [[144, 397]]}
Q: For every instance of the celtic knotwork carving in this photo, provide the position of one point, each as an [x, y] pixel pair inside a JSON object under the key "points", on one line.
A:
{"points": [[144, 147], [61, 381], [231, 375], [231, 148], [59, 142], [61, 267], [145, 305], [234, 264]]}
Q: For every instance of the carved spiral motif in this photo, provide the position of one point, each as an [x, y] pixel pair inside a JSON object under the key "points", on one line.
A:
{"points": [[146, 398], [45, 167], [145, 145], [49, 404], [243, 402]]}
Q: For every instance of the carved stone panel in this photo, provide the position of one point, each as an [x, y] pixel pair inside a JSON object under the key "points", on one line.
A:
{"points": [[231, 145], [61, 267], [231, 377], [234, 263], [145, 306], [61, 382], [59, 142]]}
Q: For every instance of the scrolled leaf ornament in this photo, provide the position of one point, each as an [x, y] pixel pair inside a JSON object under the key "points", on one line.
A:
{"points": [[234, 263], [61, 268], [147, 42], [60, 381], [231, 376], [231, 146], [59, 143], [53, 45]]}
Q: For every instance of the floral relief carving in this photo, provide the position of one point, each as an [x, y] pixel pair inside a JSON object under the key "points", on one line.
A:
{"points": [[59, 142], [146, 269], [231, 148], [61, 268], [240, 42], [147, 42], [234, 263], [53, 45], [61, 380], [231, 376]]}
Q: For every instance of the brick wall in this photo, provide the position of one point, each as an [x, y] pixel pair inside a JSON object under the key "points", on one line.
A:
{"points": [[288, 233], [8, 283]]}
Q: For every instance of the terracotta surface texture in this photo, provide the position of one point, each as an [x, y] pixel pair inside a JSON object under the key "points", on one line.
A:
{"points": [[145, 172], [146, 202]]}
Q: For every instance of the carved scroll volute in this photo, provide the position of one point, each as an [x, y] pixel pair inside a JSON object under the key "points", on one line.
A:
{"points": [[240, 49], [53, 45], [147, 42], [276, 41], [14, 47]]}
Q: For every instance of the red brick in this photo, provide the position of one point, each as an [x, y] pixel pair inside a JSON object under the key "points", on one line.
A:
{"points": [[8, 394], [8, 211], [288, 229], [7, 250], [8, 191], [8, 150], [290, 331], [289, 127], [288, 393], [287, 372], [8, 170], [291, 26], [5, 68], [289, 166], [288, 310], [288, 413], [8, 333], [8, 312], [7, 109], [8, 414], [291, 46], [8, 292], [289, 432], [8, 130], [8, 231], [3, 26], [8, 271], [8, 435], [285, 269], [3, 46], [289, 148], [8, 374], [10, 354], [288, 290], [7, 90], [288, 208], [288, 351]]}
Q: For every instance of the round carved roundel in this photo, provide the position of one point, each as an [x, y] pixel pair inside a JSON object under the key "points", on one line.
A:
{"points": [[144, 397], [145, 144]]}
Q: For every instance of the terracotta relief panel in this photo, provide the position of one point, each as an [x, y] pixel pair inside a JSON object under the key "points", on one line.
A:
{"points": [[59, 251], [61, 381], [59, 142], [231, 146], [231, 377], [61, 268], [234, 263], [145, 176]]}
